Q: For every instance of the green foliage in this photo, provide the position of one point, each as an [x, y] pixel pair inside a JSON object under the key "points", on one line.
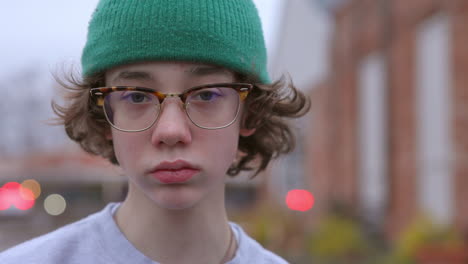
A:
{"points": [[338, 238], [423, 232]]}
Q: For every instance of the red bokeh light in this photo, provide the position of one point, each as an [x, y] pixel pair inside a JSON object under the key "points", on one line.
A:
{"points": [[11, 185], [13, 194], [300, 200], [4, 201]]}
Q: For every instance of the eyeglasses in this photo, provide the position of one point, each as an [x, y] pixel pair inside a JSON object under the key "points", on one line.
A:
{"points": [[135, 109]]}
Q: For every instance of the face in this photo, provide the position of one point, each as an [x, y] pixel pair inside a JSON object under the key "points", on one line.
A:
{"points": [[175, 164]]}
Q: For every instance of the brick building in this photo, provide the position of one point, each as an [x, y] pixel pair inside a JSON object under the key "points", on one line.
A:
{"points": [[390, 133]]}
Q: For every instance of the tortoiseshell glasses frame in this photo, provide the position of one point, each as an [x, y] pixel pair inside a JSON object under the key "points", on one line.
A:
{"points": [[100, 94]]}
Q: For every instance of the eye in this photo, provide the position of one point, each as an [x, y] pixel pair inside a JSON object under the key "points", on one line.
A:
{"points": [[206, 95], [136, 97]]}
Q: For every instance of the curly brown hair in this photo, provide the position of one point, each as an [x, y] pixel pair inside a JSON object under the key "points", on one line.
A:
{"points": [[266, 109]]}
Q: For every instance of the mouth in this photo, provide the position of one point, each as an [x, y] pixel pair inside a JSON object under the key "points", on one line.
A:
{"points": [[178, 171]]}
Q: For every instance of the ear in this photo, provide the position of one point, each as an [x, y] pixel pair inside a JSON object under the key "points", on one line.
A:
{"points": [[244, 132]]}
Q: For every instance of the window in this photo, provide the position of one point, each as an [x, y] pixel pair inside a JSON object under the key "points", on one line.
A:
{"points": [[433, 84], [373, 137]]}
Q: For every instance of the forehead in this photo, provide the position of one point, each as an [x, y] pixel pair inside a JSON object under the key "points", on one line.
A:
{"points": [[155, 71]]}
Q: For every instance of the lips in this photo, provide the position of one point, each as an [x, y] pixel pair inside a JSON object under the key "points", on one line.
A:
{"points": [[174, 172]]}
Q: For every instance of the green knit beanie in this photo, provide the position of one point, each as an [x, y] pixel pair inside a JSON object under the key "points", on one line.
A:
{"points": [[222, 32]]}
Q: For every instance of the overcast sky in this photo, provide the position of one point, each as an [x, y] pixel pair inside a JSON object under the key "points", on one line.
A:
{"points": [[48, 33]]}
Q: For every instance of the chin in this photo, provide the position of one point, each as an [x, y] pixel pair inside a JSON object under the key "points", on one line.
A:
{"points": [[176, 200]]}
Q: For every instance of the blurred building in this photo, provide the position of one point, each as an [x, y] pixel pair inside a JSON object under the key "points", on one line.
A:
{"points": [[390, 122], [301, 53]]}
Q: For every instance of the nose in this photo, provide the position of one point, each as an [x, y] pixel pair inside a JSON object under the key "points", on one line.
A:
{"points": [[172, 126]]}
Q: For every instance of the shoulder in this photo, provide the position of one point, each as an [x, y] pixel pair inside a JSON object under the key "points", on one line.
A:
{"points": [[250, 251], [64, 245]]}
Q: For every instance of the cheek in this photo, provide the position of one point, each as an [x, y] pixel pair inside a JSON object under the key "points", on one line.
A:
{"points": [[222, 145], [126, 148]]}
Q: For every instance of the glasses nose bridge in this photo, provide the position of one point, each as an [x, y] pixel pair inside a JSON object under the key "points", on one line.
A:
{"points": [[174, 95]]}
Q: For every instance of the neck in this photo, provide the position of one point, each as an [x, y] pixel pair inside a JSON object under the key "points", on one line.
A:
{"points": [[200, 234]]}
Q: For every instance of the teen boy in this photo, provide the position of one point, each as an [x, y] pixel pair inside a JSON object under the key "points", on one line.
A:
{"points": [[177, 94]]}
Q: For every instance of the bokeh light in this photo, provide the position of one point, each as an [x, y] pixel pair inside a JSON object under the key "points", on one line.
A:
{"points": [[13, 194], [4, 199], [55, 204], [300, 200], [32, 185]]}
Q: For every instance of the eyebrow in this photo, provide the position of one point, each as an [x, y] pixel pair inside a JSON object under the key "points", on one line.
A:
{"points": [[134, 75], [205, 70]]}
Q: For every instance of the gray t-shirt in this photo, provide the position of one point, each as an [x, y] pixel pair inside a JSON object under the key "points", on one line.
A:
{"points": [[97, 239]]}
